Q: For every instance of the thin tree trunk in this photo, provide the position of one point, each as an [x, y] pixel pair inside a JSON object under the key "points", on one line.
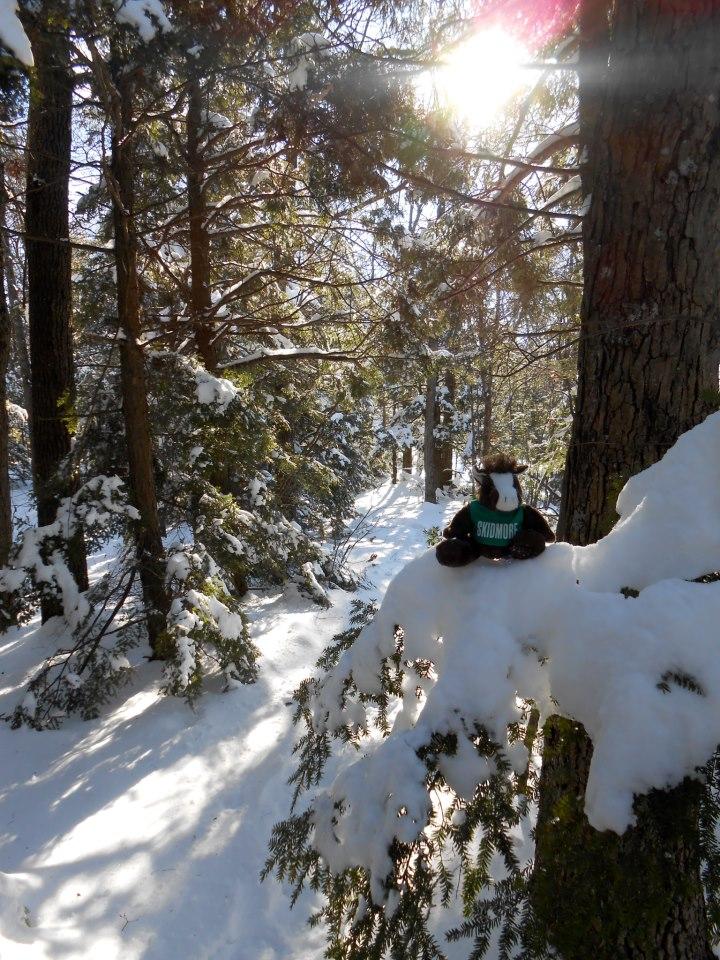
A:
{"points": [[15, 308], [132, 367], [407, 461], [445, 452], [648, 339], [49, 272], [429, 450], [487, 410], [200, 294], [5, 337], [393, 453]]}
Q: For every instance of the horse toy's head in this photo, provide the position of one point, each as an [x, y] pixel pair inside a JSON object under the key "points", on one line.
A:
{"points": [[497, 482]]}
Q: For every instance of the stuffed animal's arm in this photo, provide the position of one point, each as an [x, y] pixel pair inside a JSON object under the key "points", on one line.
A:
{"points": [[534, 520], [460, 525]]}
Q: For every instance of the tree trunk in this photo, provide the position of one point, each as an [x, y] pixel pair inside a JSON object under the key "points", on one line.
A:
{"points": [[487, 397], [407, 463], [49, 271], [200, 294], [132, 366], [445, 452], [651, 125], [393, 451], [15, 307], [5, 337], [429, 450]]}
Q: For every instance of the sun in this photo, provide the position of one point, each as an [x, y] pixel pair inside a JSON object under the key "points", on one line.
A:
{"points": [[480, 76]]}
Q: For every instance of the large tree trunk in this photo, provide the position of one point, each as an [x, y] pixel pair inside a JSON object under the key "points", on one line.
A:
{"points": [[200, 294], [647, 364], [132, 366], [48, 271], [429, 449], [5, 337]]}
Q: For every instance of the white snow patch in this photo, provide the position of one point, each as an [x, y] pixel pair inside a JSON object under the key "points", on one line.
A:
{"points": [[214, 390], [145, 16], [12, 34]]}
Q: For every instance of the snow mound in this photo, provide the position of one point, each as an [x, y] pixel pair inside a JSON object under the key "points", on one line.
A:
{"points": [[641, 674]]}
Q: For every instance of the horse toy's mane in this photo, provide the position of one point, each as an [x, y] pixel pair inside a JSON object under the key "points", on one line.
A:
{"points": [[501, 463]]}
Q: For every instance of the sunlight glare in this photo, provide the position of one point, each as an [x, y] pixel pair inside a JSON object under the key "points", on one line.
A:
{"points": [[481, 75]]}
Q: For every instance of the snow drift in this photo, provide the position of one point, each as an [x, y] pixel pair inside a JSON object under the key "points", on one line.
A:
{"points": [[641, 674]]}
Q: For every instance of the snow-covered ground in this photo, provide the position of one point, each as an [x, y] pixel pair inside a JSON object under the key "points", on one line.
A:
{"points": [[143, 834]]}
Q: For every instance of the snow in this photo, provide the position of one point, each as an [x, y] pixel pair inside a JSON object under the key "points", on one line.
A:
{"points": [[214, 390], [573, 185], [12, 34], [555, 631], [541, 149], [256, 490], [142, 834], [260, 176], [264, 353], [94, 504], [217, 120], [313, 41], [298, 78], [145, 16]]}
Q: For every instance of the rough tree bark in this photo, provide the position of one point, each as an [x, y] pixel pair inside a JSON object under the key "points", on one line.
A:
{"points": [[49, 272], [5, 337], [200, 293], [650, 120], [132, 365]]}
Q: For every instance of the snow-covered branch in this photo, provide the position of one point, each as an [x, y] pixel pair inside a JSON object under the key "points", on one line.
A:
{"points": [[641, 674], [290, 353]]}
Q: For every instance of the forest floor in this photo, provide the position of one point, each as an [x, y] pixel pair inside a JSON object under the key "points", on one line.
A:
{"points": [[141, 835]]}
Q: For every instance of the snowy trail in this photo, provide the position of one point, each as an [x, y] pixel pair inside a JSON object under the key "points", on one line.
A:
{"points": [[141, 835]]}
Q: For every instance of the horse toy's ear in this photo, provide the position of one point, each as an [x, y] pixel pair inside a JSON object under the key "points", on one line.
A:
{"points": [[521, 468]]}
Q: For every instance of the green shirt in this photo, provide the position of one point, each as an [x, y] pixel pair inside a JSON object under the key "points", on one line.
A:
{"points": [[494, 528]]}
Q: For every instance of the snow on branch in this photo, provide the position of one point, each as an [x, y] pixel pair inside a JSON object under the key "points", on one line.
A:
{"points": [[145, 16], [12, 34], [642, 674], [569, 134], [292, 353]]}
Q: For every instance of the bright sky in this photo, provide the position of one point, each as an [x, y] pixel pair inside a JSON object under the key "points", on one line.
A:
{"points": [[479, 77]]}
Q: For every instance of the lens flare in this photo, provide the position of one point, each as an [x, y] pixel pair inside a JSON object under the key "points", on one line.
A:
{"points": [[480, 76]]}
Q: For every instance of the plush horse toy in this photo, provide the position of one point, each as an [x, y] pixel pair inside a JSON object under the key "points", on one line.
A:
{"points": [[497, 524]]}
